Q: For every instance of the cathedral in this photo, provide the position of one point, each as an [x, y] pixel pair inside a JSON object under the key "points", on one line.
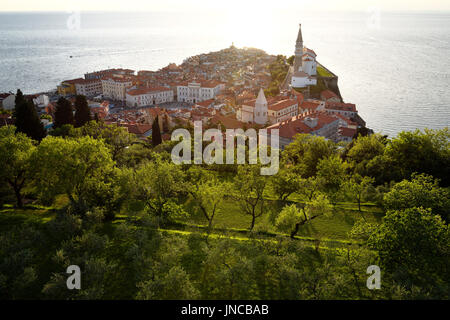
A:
{"points": [[305, 65]]}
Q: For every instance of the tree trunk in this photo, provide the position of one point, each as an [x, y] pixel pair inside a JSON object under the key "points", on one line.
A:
{"points": [[253, 222], [293, 233], [18, 197]]}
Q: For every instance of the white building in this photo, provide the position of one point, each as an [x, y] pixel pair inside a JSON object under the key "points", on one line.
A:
{"points": [[148, 96], [41, 101], [9, 103], [305, 65], [89, 88], [345, 109], [283, 110], [301, 79], [261, 111], [197, 91], [115, 88]]}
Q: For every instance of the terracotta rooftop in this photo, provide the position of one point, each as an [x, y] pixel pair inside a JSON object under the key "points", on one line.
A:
{"points": [[289, 128], [328, 94]]}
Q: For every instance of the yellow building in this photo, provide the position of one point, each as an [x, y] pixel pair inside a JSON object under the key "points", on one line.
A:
{"points": [[67, 87]]}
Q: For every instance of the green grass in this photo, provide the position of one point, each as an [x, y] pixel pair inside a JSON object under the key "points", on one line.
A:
{"points": [[10, 216], [335, 227], [230, 220], [322, 72]]}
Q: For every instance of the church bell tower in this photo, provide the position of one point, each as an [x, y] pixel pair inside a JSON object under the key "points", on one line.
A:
{"points": [[298, 50]]}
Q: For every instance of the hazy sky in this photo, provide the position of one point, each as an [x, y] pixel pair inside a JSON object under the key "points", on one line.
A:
{"points": [[205, 5]]}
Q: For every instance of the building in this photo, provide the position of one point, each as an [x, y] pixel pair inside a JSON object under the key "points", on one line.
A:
{"points": [[148, 96], [261, 111], [345, 109], [115, 87], [9, 102], [143, 131], [329, 96], [41, 101], [282, 110], [305, 65], [67, 87], [346, 134], [254, 111], [318, 123], [197, 91], [89, 88], [98, 75], [99, 109]]}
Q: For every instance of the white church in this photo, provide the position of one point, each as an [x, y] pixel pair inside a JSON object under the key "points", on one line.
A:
{"points": [[305, 65], [254, 112]]}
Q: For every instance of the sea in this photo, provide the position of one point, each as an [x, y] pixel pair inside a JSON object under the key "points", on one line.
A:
{"points": [[395, 66]]}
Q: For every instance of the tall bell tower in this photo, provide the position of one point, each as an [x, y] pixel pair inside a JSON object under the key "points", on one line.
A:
{"points": [[298, 50]]}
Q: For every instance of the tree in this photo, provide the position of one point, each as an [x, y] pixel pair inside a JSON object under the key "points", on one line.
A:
{"points": [[209, 195], [156, 133], [305, 152], [158, 184], [15, 152], [249, 188], [422, 191], [366, 157], [413, 244], [63, 113], [332, 171], [285, 183], [290, 60], [81, 168], [117, 138], [27, 119], [172, 285], [426, 152], [291, 217], [82, 111], [357, 185]]}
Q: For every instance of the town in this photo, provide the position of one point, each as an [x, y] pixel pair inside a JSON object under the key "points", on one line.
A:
{"points": [[229, 89]]}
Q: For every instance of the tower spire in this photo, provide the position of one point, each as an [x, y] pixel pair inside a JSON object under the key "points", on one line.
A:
{"points": [[299, 36], [298, 63]]}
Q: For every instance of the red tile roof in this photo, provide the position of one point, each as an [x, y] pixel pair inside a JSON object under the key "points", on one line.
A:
{"points": [[280, 105], [341, 106], [328, 94], [289, 128], [347, 132]]}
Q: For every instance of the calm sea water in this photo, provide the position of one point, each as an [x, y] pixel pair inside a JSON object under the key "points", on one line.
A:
{"points": [[394, 66]]}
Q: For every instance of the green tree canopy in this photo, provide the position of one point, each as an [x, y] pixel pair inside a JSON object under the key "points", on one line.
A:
{"points": [[63, 113], [333, 172], [413, 245], [291, 217], [366, 156], [82, 111], [425, 152], [81, 168], [249, 186], [158, 184], [117, 138], [27, 119], [306, 151], [422, 191], [15, 153]]}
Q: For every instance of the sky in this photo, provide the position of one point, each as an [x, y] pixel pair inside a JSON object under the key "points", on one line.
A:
{"points": [[229, 5]]}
